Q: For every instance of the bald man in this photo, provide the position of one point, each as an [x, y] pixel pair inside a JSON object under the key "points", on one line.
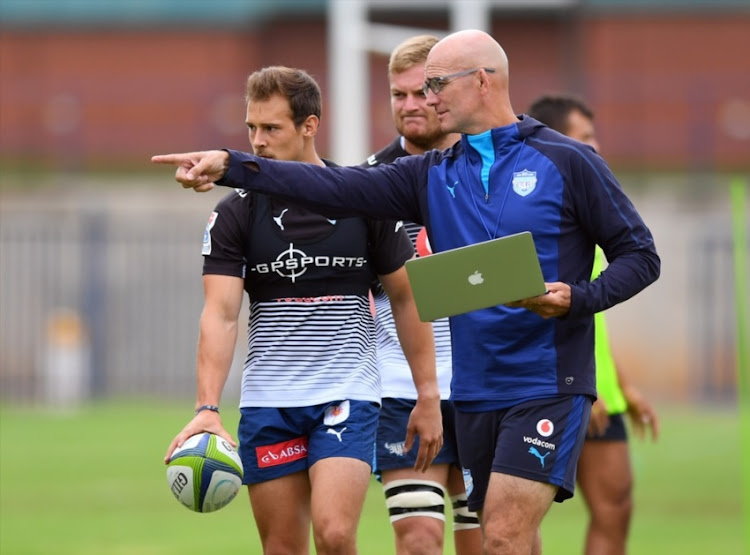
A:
{"points": [[523, 374]]}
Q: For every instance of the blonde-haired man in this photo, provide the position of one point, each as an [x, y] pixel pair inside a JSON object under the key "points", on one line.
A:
{"points": [[416, 501]]}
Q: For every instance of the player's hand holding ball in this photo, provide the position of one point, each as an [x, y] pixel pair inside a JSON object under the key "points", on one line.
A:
{"points": [[205, 473]]}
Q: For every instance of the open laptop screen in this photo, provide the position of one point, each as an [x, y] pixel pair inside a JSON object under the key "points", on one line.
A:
{"points": [[476, 276]]}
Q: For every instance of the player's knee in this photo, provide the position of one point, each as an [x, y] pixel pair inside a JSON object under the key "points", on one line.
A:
{"points": [[463, 518], [624, 503], [419, 536], [622, 509], [333, 532], [612, 516], [335, 539], [617, 501], [414, 498], [510, 541]]}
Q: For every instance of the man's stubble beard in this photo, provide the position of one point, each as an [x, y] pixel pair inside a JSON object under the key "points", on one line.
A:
{"points": [[426, 141]]}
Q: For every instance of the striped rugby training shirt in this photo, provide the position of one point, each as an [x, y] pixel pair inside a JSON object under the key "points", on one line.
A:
{"points": [[311, 337], [394, 370]]}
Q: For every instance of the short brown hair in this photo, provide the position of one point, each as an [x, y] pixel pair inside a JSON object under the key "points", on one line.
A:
{"points": [[411, 52], [553, 110], [301, 90]]}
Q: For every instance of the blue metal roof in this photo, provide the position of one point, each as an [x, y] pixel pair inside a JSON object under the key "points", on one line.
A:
{"points": [[30, 13], [150, 12]]}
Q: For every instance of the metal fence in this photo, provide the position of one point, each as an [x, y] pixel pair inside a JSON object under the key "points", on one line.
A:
{"points": [[98, 301], [714, 333], [101, 293]]}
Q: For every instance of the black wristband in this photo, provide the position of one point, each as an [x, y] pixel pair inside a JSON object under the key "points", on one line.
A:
{"points": [[212, 408]]}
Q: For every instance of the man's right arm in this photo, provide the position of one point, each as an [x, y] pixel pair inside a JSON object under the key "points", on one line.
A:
{"points": [[218, 335], [196, 170], [216, 342]]}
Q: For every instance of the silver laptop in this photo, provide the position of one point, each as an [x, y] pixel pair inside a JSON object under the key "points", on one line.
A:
{"points": [[476, 276]]}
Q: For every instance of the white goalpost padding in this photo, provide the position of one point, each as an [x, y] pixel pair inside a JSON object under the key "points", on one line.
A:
{"points": [[351, 37]]}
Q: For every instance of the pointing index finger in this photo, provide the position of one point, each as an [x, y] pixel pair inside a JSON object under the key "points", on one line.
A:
{"points": [[174, 159]]}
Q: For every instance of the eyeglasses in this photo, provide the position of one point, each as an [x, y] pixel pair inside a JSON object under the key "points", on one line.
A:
{"points": [[436, 84]]}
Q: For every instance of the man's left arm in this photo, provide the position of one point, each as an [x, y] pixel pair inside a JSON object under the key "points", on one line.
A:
{"points": [[605, 214], [609, 217], [418, 343]]}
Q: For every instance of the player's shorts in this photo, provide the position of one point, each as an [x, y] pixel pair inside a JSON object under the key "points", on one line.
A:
{"points": [[275, 442], [616, 431], [538, 440], [389, 446]]}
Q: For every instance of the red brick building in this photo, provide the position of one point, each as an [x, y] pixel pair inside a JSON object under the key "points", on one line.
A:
{"points": [[671, 91]]}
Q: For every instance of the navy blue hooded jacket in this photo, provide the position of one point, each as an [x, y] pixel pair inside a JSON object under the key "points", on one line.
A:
{"points": [[520, 177]]}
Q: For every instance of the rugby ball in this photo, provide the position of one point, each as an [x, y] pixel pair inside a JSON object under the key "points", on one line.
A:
{"points": [[205, 474]]}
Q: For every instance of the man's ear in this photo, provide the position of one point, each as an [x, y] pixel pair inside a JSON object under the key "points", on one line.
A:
{"points": [[310, 126], [484, 80]]}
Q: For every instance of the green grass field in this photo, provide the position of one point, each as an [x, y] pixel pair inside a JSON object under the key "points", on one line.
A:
{"points": [[92, 482]]}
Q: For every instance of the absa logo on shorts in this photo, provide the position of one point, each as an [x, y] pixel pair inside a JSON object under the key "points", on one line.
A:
{"points": [[545, 427], [281, 453]]}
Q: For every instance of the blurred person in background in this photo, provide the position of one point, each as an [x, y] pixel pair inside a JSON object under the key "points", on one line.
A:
{"points": [[523, 373], [310, 387], [416, 501], [604, 472]]}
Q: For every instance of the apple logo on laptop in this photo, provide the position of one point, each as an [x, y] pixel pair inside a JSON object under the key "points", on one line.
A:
{"points": [[476, 278]]}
